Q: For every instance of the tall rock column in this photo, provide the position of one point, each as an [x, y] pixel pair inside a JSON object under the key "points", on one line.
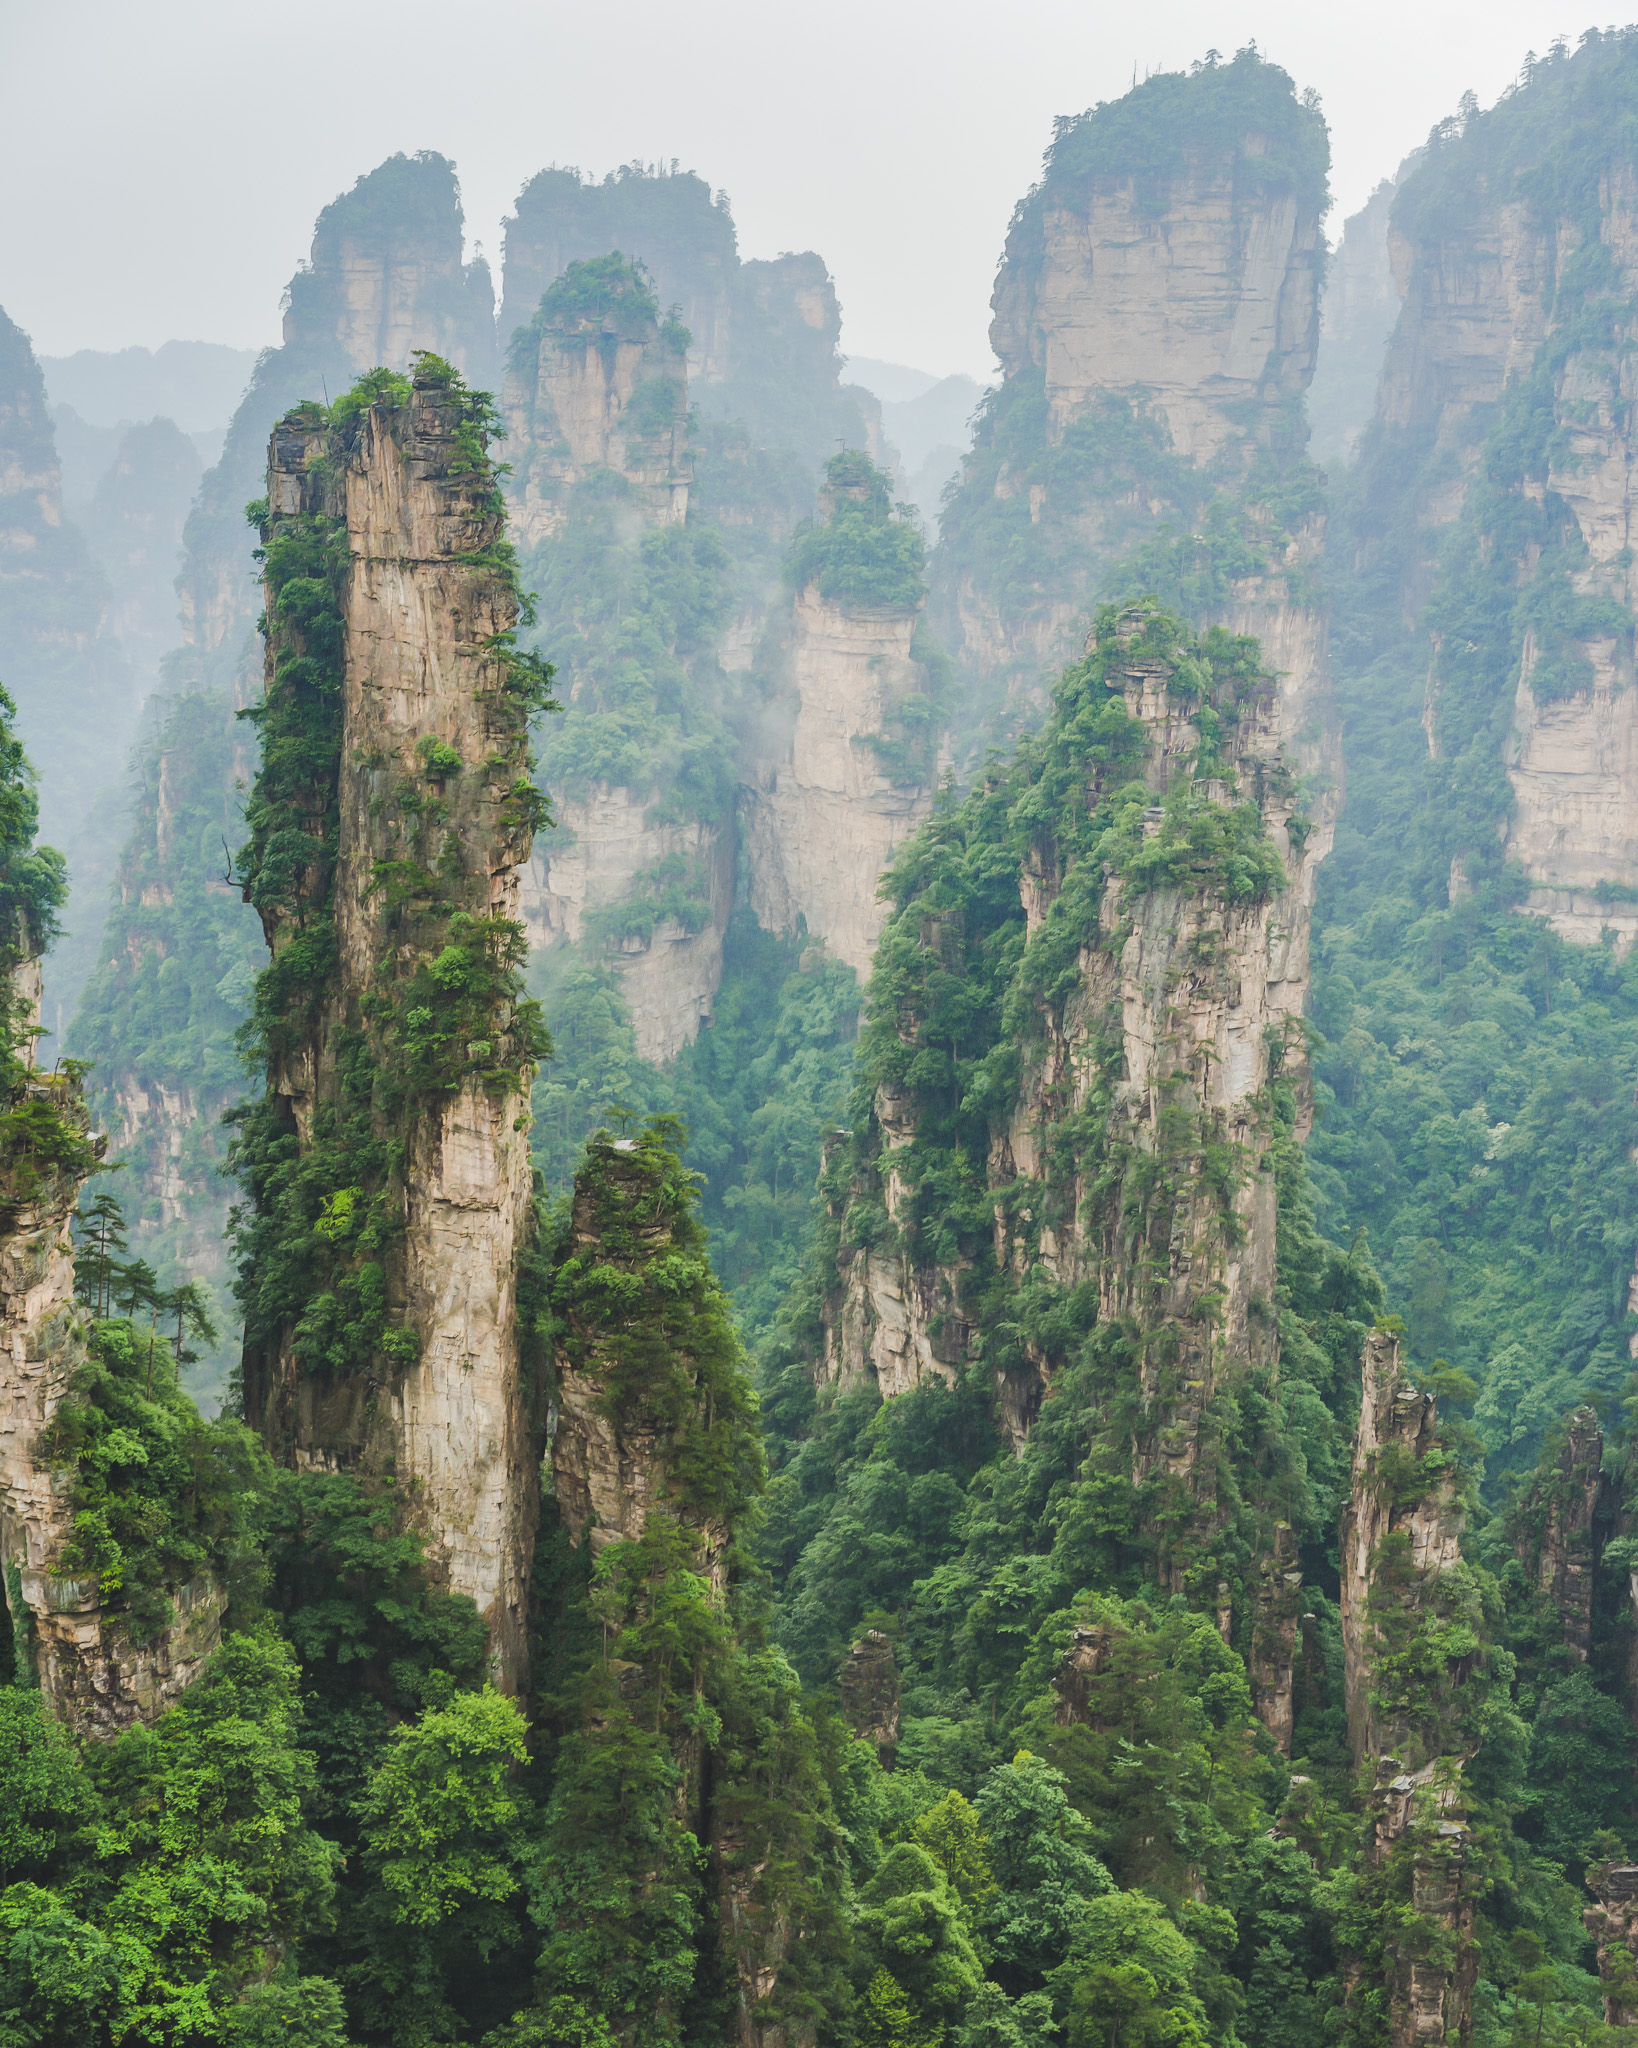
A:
{"points": [[1415, 1679], [1613, 1925], [388, 1164], [1085, 1018], [841, 767], [598, 381], [1157, 322]]}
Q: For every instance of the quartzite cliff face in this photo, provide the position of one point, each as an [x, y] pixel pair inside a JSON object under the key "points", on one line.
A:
{"points": [[1156, 318], [1504, 409], [1411, 1702], [97, 1674], [427, 766], [384, 278], [1128, 1147]]}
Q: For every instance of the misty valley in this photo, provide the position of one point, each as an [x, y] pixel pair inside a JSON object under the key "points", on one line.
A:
{"points": [[819, 1186]]}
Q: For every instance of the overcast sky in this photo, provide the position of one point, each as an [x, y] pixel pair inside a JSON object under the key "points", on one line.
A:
{"points": [[162, 162]]}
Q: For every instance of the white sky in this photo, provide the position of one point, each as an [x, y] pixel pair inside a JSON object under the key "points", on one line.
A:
{"points": [[162, 162]]}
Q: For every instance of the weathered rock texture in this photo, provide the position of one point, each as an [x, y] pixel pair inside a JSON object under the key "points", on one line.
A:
{"points": [[1156, 319], [763, 335], [420, 672], [591, 391], [1398, 1429], [1556, 1536], [1201, 991], [598, 856], [96, 1678], [1205, 305], [819, 813], [1613, 1925], [1148, 1069], [1401, 1574], [384, 279], [868, 1684], [1497, 329], [610, 1460]]}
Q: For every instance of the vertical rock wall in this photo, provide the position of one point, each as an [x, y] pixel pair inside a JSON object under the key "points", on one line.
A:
{"points": [[1515, 275], [1408, 1716], [97, 1679], [1156, 319], [819, 813], [423, 710], [590, 390]]}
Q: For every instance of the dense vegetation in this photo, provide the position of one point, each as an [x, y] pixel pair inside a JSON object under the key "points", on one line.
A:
{"points": [[1477, 1073], [940, 1721]]}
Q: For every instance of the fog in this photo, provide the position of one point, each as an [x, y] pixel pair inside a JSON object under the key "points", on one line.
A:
{"points": [[163, 164]]}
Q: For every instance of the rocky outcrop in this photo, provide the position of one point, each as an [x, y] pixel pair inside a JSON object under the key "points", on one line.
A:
{"points": [[763, 335], [820, 811], [1271, 1663], [1156, 319], [1208, 996], [97, 1672], [1555, 1536], [1128, 1161], [428, 758], [868, 1686], [1502, 344], [1202, 300], [666, 220], [1397, 1433], [1613, 1925], [595, 382], [1412, 1708], [588, 881], [384, 278]]}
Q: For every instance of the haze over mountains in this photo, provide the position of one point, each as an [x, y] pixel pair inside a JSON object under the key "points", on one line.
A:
{"points": [[831, 1237]]}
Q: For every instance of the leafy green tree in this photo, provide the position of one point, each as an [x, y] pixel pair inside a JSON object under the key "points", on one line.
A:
{"points": [[560, 2023], [1129, 1978], [217, 1866], [953, 1835], [289, 2012], [1044, 1871], [910, 1924], [433, 1930], [888, 2020], [47, 1806], [441, 1815]]}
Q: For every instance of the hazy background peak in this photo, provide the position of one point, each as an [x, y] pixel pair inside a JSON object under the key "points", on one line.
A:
{"points": [[164, 164]]}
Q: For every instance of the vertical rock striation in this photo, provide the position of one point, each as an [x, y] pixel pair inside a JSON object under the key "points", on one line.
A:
{"points": [[1414, 1681], [596, 382], [838, 770], [1156, 318], [597, 400], [1124, 1005], [384, 278], [389, 1162], [1504, 412]]}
